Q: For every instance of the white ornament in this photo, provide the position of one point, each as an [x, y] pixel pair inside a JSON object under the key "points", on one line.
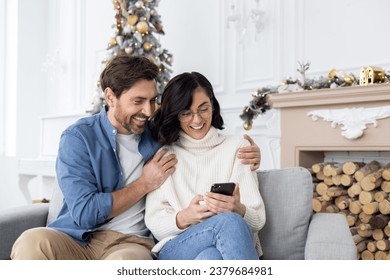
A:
{"points": [[352, 120], [289, 88], [139, 4], [127, 29], [119, 40], [170, 59], [138, 36]]}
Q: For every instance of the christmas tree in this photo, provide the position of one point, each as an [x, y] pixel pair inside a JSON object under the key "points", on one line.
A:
{"points": [[135, 26], [136, 23]]}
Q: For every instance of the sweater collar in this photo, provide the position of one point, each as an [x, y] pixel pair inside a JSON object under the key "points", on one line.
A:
{"points": [[211, 140]]}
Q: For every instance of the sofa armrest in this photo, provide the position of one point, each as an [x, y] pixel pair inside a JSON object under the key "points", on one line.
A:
{"points": [[329, 238], [14, 221]]}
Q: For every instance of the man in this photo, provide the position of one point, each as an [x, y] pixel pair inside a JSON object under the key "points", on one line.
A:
{"points": [[106, 165]]}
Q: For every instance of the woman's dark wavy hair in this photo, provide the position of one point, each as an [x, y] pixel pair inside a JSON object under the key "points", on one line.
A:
{"points": [[176, 97]]}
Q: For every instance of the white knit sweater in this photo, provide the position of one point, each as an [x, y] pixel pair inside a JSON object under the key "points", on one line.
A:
{"points": [[200, 164]]}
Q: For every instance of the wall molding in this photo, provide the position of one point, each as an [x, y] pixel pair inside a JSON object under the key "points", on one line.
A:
{"points": [[269, 34], [219, 85]]}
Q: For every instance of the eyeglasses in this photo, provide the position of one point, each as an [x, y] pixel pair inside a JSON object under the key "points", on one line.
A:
{"points": [[203, 112]]}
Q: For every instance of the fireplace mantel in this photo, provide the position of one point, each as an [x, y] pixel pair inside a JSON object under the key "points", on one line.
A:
{"points": [[304, 140], [341, 95]]}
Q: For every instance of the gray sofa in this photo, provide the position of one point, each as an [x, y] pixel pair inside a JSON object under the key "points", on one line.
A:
{"points": [[292, 231]]}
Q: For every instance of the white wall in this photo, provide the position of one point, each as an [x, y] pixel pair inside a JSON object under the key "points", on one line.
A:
{"points": [[69, 37], [31, 83], [2, 73]]}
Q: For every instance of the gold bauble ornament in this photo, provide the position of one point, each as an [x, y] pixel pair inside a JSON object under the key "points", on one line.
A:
{"points": [[332, 73], [132, 19], [147, 46], [349, 79], [112, 42], [247, 126], [142, 27]]}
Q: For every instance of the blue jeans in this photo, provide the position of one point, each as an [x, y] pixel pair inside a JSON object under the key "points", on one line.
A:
{"points": [[224, 236]]}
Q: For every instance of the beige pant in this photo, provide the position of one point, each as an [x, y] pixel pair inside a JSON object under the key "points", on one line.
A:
{"points": [[49, 244]]}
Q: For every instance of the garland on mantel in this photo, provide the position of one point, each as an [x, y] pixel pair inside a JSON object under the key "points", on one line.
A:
{"points": [[259, 104]]}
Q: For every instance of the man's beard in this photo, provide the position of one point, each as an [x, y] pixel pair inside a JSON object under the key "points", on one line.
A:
{"points": [[132, 129]]}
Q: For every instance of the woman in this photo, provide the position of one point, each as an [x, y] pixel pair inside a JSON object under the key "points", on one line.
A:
{"points": [[187, 223]]}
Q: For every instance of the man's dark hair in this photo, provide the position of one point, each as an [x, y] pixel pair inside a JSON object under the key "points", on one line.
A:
{"points": [[123, 71], [176, 97]]}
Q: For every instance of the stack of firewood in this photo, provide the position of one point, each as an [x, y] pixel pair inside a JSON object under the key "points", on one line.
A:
{"points": [[359, 191]]}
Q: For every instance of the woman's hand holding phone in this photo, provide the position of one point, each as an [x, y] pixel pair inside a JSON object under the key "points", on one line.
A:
{"points": [[220, 203], [193, 214]]}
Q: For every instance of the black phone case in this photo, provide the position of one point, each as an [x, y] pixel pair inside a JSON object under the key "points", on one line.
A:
{"points": [[223, 188]]}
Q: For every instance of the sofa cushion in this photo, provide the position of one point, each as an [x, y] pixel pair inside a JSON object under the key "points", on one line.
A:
{"points": [[329, 238], [14, 221], [287, 195]]}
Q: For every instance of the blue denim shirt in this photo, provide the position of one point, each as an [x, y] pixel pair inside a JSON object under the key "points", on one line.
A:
{"points": [[88, 171]]}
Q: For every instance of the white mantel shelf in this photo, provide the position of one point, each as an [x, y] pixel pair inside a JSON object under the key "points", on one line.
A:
{"points": [[341, 95], [37, 167]]}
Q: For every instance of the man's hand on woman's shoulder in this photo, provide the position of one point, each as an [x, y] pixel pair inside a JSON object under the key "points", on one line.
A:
{"points": [[250, 154]]}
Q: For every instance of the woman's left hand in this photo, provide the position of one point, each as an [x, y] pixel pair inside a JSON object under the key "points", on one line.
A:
{"points": [[220, 203], [250, 154]]}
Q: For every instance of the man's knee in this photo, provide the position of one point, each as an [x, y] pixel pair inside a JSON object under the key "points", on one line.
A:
{"points": [[28, 245]]}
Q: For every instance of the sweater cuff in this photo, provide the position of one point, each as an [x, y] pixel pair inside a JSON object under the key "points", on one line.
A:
{"points": [[169, 227], [253, 220]]}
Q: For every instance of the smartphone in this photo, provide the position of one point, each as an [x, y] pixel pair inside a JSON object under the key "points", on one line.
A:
{"points": [[223, 188]]}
